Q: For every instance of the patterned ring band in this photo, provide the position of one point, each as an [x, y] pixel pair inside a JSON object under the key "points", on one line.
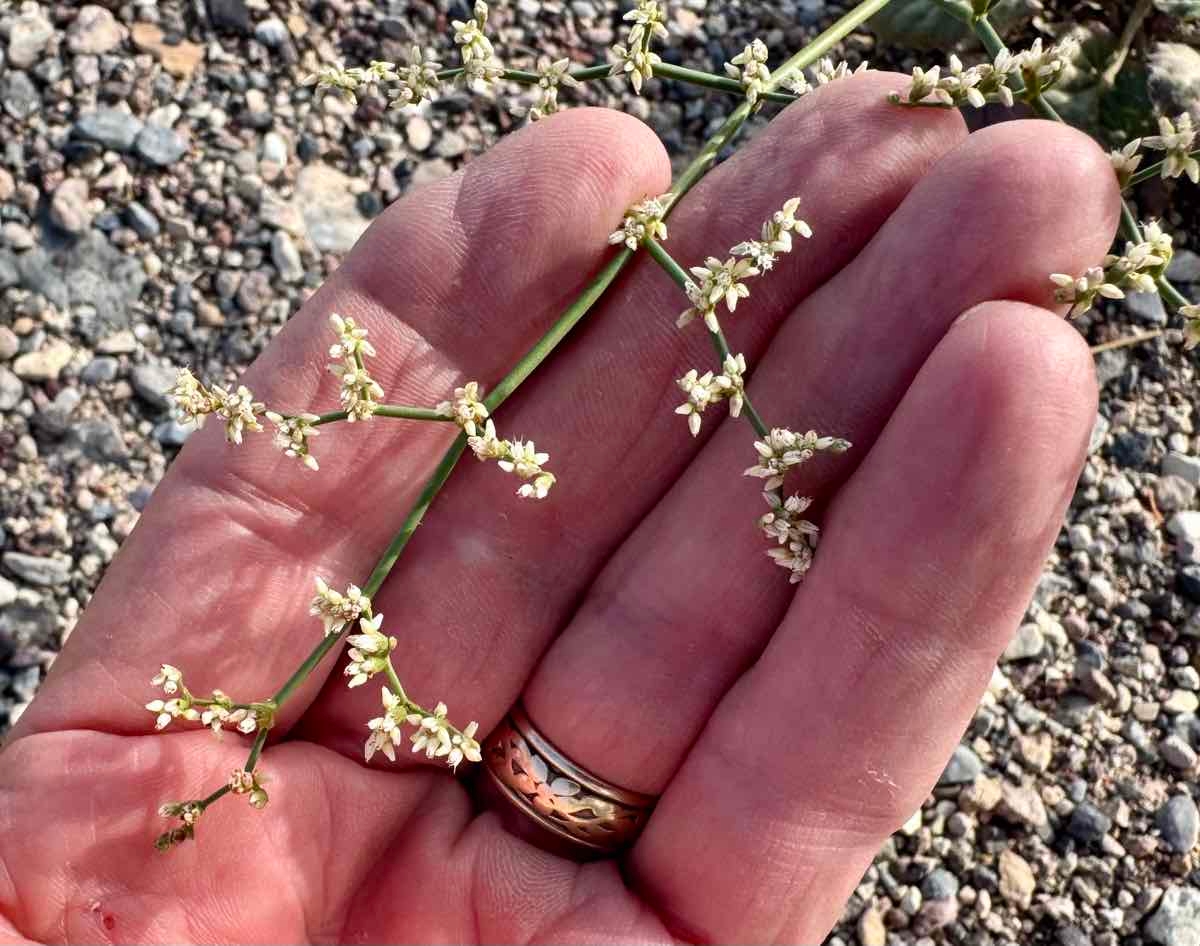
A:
{"points": [[585, 815]]}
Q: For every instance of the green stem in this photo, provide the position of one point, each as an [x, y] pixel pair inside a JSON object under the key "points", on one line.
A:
{"points": [[659, 254], [708, 80], [256, 750], [1154, 170], [325, 646], [1140, 12], [219, 793], [388, 410]]}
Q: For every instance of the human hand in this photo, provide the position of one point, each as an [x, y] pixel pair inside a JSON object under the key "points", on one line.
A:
{"points": [[788, 730]]}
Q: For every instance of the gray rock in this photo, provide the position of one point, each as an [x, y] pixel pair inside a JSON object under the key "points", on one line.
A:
{"points": [[286, 257], [1028, 643], [1175, 78], [1177, 753], [1100, 591], [69, 209], [91, 272], [329, 208], [1185, 267], [37, 569], [100, 370], [1174, 493], [172, 434], [28, 36], [1176, 922], [451, 145], [9, 343], [1179, 822], [151, 383], [1183, 466], [100, 439], [1100, 431], [19, 96], [1088, 824], [939, 885], [231, 15], [144, 223], [1147, 307], [255, 293], [272, 33], [94, 31], [44, 364], [8, 592], [275, 148], [963, 768], [160, 146], [110, 127], [11, 390]]}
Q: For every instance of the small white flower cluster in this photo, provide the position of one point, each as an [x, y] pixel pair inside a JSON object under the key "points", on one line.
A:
{"points": [[416, 81], [749, 67], [337, 609], [551, 75], [1040, 67], [642, 220], [824, 72], [633, 57], [433, 734], [193, 402], [1138, 269], [782, 450], [292, 434], [795, 535], [215, 712], [718, 281], [467, 408], [478, 55], [987, 82], [370, 651], [360, 392], [246, 783], [512, 456], [1125, 161], [188, 813], [1176, 138], [705, 389]]}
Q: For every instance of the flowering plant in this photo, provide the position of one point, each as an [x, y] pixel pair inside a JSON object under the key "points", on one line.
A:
{"points": [[710, 291]]}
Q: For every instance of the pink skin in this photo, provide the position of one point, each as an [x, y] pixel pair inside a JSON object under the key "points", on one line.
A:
{"points": [[789, 731]]}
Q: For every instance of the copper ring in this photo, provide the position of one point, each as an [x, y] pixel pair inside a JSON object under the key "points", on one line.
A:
{"points": [[585, 815]]}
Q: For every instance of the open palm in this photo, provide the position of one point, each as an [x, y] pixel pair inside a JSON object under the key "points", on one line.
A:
{"points": [[633, 612]]}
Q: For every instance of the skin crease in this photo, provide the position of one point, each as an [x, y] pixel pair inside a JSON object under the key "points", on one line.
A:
{"points": [[645, 646]]}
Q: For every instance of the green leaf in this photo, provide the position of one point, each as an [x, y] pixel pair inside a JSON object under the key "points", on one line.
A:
{"points": [[1184, 9], [925, 24]]}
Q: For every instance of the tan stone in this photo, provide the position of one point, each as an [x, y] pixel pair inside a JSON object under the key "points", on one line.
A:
{"points": [[1017, 882], [181, 60]]}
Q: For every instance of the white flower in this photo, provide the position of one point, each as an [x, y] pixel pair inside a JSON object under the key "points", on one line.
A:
{"points": [[418, 80], [368, 651], [432, 734], [723, 281], [469, 38], [386, 733], [1041, 68], [783, 449], [523, 459], [753, 73], [360, 392], [466, 408], [648, 23], [191, 399], [550, 76], [642, 220], [487, 446], [351, 340], [633, 61], [1126, 160], [341, 81], [336, 609], [785, 522], [1081, 292], [700, 393], [1177, 138], [825, 71], [700, 308], [733, 370], [167, 710], [169, 678], [241, 781], [464, 746], [796, 556], [292, 434], [538, 487], [239, 409]]}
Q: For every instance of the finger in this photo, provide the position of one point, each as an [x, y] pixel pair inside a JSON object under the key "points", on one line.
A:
{"points": [[691, 595], [217, 576], [600, 409], [838, 731]]}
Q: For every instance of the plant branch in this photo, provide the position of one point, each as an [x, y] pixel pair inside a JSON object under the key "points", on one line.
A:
{"points": [[1136, 18], [1153, 170], [388, 410]]}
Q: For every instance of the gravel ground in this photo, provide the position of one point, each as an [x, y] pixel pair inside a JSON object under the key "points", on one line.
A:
{"points": [[169, 194]]}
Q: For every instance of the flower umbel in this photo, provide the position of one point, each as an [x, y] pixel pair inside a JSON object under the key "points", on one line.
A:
{"points": [[551, 75], [467, 408], [369, 651], [749, 67], [292, 435], [515, 456], [642, 220], [1176, 138], [708, 388], [337, 609], [783, 449]]}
